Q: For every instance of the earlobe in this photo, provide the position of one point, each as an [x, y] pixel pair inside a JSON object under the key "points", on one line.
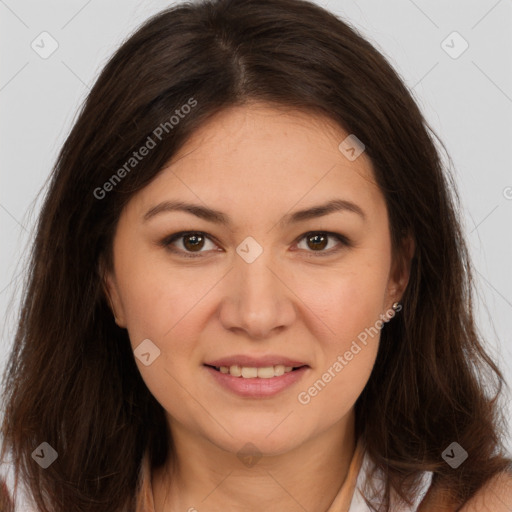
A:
{"points": [[111, 294], [408, 249], [401, 271]]}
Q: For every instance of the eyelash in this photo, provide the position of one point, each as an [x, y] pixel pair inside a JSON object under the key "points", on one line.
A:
{"points": [[167, 242]]}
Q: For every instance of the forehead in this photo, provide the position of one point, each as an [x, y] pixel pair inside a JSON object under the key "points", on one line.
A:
{"points": [[265, 158]]}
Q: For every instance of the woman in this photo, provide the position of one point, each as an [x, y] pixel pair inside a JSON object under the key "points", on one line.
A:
{"points": [[249, 289]]}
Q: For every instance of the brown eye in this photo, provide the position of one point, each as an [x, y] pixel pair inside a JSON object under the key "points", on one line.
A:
{"points": [[187, 243], [316, 242], [190, 244]]}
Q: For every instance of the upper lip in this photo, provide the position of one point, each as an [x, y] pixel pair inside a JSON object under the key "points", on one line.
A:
{"points": [[256, 362]]}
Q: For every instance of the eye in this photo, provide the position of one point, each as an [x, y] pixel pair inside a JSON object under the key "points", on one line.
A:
{"points": [[192, 242], [320, 239]]}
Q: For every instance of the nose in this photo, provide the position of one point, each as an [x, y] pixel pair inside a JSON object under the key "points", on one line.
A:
{"points": [[257, 301]]}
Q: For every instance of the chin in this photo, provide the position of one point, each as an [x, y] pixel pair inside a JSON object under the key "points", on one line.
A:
{"points": [[258, 439]]}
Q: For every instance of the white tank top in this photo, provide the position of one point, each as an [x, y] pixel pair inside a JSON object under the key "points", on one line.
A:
{"points": [[358, 504]]}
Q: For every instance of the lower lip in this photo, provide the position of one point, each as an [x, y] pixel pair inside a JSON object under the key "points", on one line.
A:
{"points": [[256, 387]]}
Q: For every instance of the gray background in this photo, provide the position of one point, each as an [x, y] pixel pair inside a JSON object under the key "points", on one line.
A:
{"points": [[467, 100]]}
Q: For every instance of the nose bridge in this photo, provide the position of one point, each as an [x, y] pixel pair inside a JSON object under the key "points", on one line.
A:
{"points": [[256, 300]]}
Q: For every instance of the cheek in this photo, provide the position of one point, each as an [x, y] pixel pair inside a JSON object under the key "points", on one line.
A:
{"points": [[344, 302], [347, 349], [347, 308], [156, 298], [165, 309]]}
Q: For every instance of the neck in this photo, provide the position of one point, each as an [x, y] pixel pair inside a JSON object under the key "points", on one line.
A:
{"points": [[207, 477]]}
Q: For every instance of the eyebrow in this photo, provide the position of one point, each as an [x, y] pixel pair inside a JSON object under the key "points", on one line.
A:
{"points": [[217, 217]]}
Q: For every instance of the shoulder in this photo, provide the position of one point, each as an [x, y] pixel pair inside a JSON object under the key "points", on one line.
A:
{"points": [[494, 496]]}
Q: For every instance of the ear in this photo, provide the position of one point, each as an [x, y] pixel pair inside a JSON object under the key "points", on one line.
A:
{"points": [[400, 271], [111, 291]]}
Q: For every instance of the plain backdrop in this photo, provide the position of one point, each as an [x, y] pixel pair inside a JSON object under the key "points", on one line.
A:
{"points": [[462, 82]]}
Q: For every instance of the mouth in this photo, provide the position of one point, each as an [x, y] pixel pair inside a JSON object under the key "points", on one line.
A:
{"points": [[250, 382], [253, 372]]}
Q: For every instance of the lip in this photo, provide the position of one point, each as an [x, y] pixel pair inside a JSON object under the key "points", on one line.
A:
{"points": [[255, 362], [256, 387]]}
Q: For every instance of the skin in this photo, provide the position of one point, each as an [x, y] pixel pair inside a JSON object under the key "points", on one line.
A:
{"points": [[256, 163]]}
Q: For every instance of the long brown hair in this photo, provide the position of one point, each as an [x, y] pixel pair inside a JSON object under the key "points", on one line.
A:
{"points": [[72, 381]]}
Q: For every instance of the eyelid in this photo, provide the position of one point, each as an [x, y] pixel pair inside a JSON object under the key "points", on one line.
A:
{"points": [[168, 241], [343, 242]]}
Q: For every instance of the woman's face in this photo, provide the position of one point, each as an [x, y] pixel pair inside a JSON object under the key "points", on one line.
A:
{"points": [[256, 283]]}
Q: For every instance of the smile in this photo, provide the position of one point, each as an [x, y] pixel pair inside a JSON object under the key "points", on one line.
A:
{"points": [[256, 382], [251, 372]]}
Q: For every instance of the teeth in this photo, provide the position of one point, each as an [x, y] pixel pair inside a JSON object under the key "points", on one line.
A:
{"points": [[268, 372], [235, 370], [248, 372]]}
